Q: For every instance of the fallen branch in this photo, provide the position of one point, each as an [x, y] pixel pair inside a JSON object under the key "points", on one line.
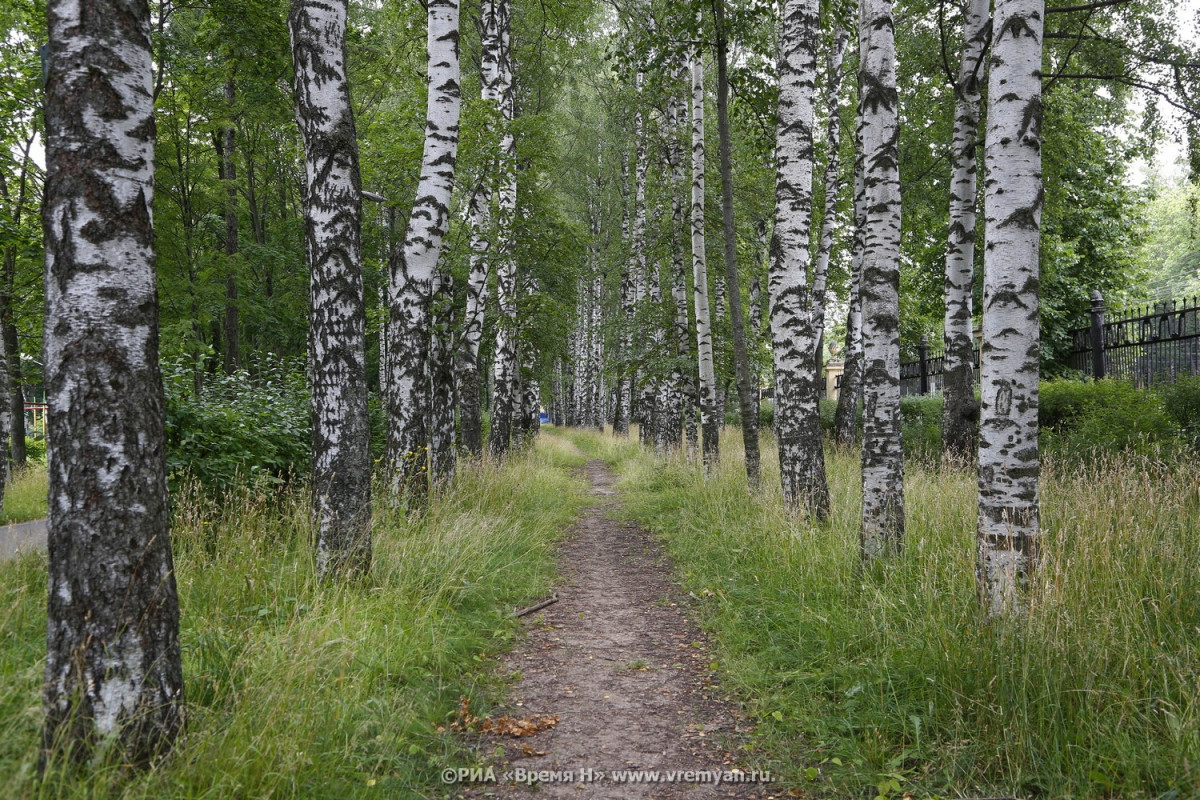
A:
{"points": [[537, 606]]}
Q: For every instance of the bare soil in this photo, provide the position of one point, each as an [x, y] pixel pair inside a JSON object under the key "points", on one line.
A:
{"points": [[626, 672]]}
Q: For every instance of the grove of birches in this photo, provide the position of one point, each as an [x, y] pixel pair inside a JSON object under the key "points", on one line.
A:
{"points": [[650, 218]]}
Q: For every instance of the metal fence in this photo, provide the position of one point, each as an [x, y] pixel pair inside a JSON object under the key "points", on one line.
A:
{"points": [[1156, 343], [924, 376]]}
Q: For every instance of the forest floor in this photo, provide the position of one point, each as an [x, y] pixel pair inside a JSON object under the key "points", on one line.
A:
{"points": [[616, 680]]}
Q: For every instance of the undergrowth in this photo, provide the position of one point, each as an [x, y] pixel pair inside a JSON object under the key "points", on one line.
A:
{"points": [[25, 495], [295, 689], [887, 682]]}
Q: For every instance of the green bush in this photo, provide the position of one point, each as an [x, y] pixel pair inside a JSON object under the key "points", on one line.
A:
{"points": [[1182, 402], [921, 427], [35, 450], [240, 427], [766, 414], [1086, 420]]}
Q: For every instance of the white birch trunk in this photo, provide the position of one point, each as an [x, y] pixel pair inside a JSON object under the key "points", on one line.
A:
{"points": [[960, 412], [793, 330], [709, 426], [882, 469], [443, 453], [341, 482], [479, 219], [1008, 437], [113, 676], [506, 380], [845, 422], [412, 268]]}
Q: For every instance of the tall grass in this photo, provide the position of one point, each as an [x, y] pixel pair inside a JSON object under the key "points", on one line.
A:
{"points": [[25, 495], [296, 689], [887, 680]]}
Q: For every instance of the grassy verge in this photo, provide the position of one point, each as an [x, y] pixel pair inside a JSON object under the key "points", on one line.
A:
{"points": [[25, 495], [887, 682], [301, 690]]}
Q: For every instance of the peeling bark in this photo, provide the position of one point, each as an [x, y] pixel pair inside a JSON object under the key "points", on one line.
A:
{"points": [[341, 482], [113, 676], [882, 468], [960, 412], [794, 330], [709, 426], [1009, 467], [412, 267]]}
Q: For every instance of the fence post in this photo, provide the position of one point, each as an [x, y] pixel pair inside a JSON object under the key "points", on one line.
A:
{"points": [[1097, 335], [923, 350]]}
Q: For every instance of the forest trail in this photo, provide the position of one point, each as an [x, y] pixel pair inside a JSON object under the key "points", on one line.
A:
{"points": [[625, 671]]}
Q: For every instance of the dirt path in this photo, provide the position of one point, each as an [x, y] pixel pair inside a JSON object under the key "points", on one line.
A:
{"points": [[626, 673]]}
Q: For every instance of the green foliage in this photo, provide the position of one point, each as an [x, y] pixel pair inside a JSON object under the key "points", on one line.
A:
{"points": [[1182, 402], [1089, 419], [921, 427], [239, 428], [25, 495], [298, 689], [890, 678]]}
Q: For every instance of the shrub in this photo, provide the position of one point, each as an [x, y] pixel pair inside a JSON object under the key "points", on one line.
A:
{"points": [[1182, 402], [1086, 420], [766, 414], [921, 427], [240, 427]]}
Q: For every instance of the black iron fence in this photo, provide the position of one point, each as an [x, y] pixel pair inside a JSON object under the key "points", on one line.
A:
{"points": [[924, 376], [1156, 343]]}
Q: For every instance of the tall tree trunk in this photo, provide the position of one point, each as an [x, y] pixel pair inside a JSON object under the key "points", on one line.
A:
{"points": [[1008, 437], [412, 266], [960, 412], [470, 411], [9, 336], [623, 410], [747, 391], [845, 418], [647, 339], [233, 356], [596, 364], [480, 218], [443, 457], [113, 675], [845, 423], [341, 431], [506, 380], [683, 389], [793, 306], [709, 425], [882, 468], [833, 173]]}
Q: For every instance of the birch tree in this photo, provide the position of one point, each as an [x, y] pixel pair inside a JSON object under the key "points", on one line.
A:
{"points": [[443, 451], [1008, 437], [479, 218], [960, 412], [882, 471], [113, 675], [412, 267], [341, 481], [845, 421], [683, 411], [505, 378], [794, 334], [709, 428]]}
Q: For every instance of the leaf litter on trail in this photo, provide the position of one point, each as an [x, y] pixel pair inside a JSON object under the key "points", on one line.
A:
{"points": [[503, 725]]}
